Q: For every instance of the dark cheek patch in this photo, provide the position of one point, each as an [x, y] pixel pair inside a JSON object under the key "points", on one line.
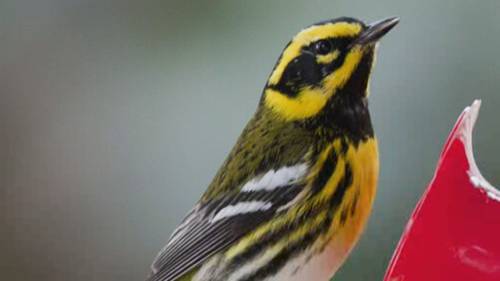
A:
{"points": [[305, 71], [301, 72], [311, 74]]}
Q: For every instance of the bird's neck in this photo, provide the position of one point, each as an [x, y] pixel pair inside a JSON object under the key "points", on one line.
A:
{"points": [[346, 112]]}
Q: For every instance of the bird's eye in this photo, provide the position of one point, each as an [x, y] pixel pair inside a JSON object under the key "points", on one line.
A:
{"points": [[323, 47]]}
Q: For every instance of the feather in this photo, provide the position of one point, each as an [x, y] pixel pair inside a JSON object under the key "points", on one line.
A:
{"points": [[214, 225]]}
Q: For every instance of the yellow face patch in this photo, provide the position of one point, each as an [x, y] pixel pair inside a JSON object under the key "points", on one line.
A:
{"points": [[309, 35], [306, 104], [326, 59]]}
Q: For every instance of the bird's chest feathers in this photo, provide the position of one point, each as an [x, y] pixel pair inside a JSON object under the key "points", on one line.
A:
{"points": [[354, 194], [354, 208]]}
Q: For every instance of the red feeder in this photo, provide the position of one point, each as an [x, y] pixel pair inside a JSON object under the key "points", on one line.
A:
{"points": [[454, 232]]}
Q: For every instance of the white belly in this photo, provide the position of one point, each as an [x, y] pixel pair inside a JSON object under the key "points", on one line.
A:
{"points": [[319, 267]]}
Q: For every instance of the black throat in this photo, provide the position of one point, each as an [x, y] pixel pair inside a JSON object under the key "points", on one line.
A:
{"points": [[346, 113]]}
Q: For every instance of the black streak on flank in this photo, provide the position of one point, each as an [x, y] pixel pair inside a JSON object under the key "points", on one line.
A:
{"points": [[280, 260], [325, 173], [342, 187], [344, 214]]}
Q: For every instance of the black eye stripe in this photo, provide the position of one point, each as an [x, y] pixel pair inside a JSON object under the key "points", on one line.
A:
{"points": [[336, 43]]}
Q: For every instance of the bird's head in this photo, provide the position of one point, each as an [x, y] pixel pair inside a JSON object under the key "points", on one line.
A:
{"points": [[323, 61]]}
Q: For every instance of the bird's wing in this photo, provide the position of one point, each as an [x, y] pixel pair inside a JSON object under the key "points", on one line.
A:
{"points": [[211, 227]]}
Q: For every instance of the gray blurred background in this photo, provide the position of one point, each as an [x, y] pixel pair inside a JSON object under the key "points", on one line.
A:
{"points": [[115, 115]]}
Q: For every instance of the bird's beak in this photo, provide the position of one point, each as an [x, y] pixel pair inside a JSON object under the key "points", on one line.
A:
{"points": [[375, 31]]}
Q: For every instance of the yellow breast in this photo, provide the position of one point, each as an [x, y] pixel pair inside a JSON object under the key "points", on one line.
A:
{"points": [[359, 198], [353, 212], [327, 255]]}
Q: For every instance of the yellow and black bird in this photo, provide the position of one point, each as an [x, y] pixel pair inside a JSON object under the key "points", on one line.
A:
{"points": [[295, 192]]}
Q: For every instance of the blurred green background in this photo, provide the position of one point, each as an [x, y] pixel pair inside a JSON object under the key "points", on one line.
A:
{"points": [[115, 115]]}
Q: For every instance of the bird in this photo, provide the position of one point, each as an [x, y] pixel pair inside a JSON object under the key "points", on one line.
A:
{"points": [[294, 194]]}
